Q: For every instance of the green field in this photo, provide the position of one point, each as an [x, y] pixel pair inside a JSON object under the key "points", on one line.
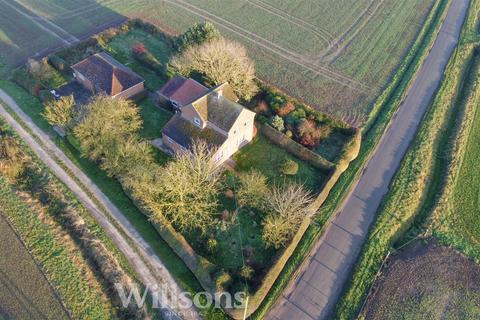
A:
{"points": [[24, 290], [337, 56]]}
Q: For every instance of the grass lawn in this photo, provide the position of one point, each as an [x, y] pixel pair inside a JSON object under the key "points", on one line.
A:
{"points": [[154, 119], [24, 293], [264, 156], [121, 47], [238, 244]]}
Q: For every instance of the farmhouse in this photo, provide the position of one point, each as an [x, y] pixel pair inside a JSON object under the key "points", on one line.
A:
{"points": [[100, 73], [214, 116]]}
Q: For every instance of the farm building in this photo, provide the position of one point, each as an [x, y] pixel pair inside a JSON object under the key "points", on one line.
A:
{"points": [[100, 73], [214, 116]]}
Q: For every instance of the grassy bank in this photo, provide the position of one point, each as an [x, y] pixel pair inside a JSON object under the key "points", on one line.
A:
{"points": [[383, 111], [414, 188], [62, 271]]}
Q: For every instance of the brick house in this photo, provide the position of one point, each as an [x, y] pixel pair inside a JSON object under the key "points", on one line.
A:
{"points": [[100, 73], [215, 116]]}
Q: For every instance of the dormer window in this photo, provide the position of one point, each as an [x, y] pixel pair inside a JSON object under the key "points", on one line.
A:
{"points": [[197, 122]]}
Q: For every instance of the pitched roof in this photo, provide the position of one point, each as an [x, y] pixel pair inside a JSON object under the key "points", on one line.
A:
{"points": [[107, 74], [184, 132], [218, 110], [182, 90]]}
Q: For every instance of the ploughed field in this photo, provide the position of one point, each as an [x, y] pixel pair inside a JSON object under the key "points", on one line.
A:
{"points": [[24, 291], [335, 55], [426, 281]]}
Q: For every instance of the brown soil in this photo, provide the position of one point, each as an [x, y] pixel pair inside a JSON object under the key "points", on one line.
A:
{"points": [[426, 281]]}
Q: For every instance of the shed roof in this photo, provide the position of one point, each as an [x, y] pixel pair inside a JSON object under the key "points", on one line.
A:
{"points": [[182, 90], [107, 74]]}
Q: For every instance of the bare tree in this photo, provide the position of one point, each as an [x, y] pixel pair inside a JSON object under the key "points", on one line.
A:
{"points": [[219, 61], [189, 188], [287, 207], [107, 123]]}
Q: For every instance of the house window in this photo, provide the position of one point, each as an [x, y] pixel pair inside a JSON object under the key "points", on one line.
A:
{"points": [[246, 124], [197, 121], [218, 157]]}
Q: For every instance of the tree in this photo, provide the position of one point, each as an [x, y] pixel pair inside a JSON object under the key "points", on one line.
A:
{"points": [[40, 70], [189, 188], [60, 112], [277, 123], [252, 190], [287, 207], [197, 34], [219, 61], [126, 155], [107, 122]]}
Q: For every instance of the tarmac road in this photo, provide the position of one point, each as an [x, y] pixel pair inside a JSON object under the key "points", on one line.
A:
{"points": [[323, 275]]}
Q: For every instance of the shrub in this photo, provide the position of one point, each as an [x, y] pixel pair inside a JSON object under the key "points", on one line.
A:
{"points": [[299, 113], [58, 63], [246, 272], [285, 109], [289, 168], [261, 107], [278, 123], [310, 133], [27, 82], [45, 95], [223, 281], [196, 34], [142, 55], [212, 245]]}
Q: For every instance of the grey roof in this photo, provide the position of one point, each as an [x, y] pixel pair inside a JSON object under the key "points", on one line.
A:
{"points": [[107, 74], [218, 110], [184, 132]]}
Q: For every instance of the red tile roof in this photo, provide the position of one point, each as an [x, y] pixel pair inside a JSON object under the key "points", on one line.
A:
{"points": [[107, 74], [182, 90]]}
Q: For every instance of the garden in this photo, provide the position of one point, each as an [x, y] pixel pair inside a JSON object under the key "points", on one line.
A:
{"points": [[242, 225]]}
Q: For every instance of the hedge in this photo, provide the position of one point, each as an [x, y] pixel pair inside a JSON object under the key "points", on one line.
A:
{"points": [[295, 148]]}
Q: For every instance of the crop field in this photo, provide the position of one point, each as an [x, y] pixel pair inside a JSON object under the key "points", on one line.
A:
{"points": [[24, 291], [335, 55], [437, 283]]}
